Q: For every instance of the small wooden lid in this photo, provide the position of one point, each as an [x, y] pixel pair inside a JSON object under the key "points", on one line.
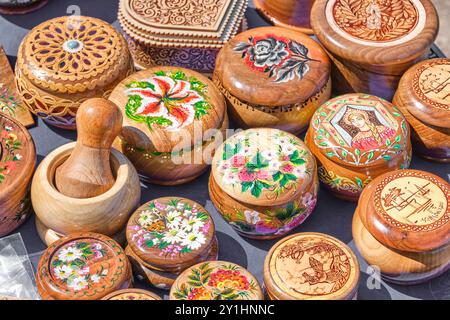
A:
{"points": [[425, 92], [73, 54], [216, 280], [167, 107], [359, 130], [408, 210], [132, 294], [170, 233], [17, 155], [311, 266], [272, 66], [189, 23], [82, 266], [375, 33], [264, 167]]}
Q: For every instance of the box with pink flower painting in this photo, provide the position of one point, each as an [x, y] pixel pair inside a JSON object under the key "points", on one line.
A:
{"points": [[264, 182], [355, 138], [168, 235]]}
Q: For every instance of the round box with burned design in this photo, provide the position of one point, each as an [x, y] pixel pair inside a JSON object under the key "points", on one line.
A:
{"points": [[172, 117], [82, 266], [65, 61], [132, 294], [402, 224], [424, 98], [216, 280], [166, 236], [273, 77], [355, 138], [17, 163], [263, 182], [311, 265], [372, 43]]}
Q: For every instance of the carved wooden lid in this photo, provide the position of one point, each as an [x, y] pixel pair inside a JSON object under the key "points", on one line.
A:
{"points": [[167, 107], [408, 210], [73, 54], [375, 32], [17, 156], [82, 266], [263, 166], [216, 280], [425, 91], [272, 66], [170, 233], [359, 130], [181, 23], [132, 294], [311, 266]]}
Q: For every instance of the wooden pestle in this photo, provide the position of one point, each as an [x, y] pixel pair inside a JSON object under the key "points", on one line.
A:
{"points": [[87, 172]]}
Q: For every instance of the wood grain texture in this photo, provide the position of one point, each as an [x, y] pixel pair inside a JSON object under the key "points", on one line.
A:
{"points": [[17, 163], [290, 14], [132, 294], [87, 172], [107, 213], [10, 102]]}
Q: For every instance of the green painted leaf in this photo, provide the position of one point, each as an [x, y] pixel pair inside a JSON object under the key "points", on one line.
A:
{"points": [[357, 152], [387, 158], [277, 176], [246, 186], [398, 138], [388, 142], [359, 182], [370, 156], [396, 146]]}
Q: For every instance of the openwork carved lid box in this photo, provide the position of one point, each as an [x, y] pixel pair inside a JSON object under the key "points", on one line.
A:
{"points": [[273, 77], [167, 235], [311, 266], [180, 33], [372, 43], [17, 163], [263, 182], [64, 61], [225, 281], [424, 98], [171, 115], [402, 225], [355, 138], [82, 266]]}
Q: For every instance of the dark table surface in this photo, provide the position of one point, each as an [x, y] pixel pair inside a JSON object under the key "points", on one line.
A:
{"points": [[331, 216]]}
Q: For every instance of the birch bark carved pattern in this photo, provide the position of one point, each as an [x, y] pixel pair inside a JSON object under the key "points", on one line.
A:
{"points": [[402, 223], [311, 266], [79, 59], [17, 163], [373, 42], [82, 266]]}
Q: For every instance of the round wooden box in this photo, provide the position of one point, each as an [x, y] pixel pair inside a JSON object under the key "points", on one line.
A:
{"points": [[167, 235], [424, 98], [173, 118], [108, 213], [216, 280], [311, 266], [20, 6], [372, 43], [264, 182], [355, 138], [402, 226], [82, 266], [17, 163], [273, 77], [132, 294], [183, 33], [65, 61], [290, 14]]}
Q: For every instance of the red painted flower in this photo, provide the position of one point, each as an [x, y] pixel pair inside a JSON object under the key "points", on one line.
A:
{"points": [[246, 176], [9, 166], [167, 98], [232, 279], [287, 168], [262, 175], [238, 161]]}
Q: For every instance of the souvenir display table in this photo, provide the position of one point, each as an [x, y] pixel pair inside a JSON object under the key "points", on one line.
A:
{"points": [[331, 215]]}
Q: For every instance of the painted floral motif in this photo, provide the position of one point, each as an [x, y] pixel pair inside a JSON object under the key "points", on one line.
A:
{"points": [[224, 282], [275, 169], [9, 151], [353, 186], [8, 102], [281, 58], [169, 99], [70, 265], [173, 229]]}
